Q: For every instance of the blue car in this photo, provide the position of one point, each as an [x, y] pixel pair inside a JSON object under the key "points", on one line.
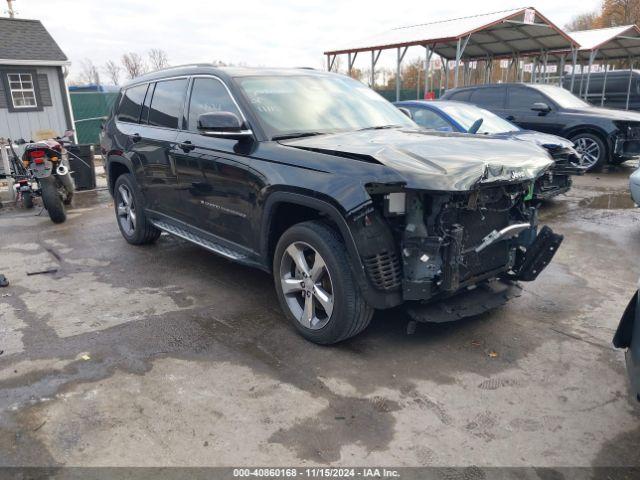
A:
{"points": [[452, 116]]}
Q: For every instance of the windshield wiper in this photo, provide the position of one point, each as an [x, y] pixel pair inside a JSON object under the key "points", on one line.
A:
{"points": [[379, 127], [286, 136]]}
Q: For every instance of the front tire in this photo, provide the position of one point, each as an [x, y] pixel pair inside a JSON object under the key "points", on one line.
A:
{"points": [[51, 200], [27, 200], [134, 225], [593, 151], [315, 286]]}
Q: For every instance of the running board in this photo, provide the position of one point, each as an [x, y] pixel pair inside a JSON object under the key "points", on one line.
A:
{"points": [[198, 240]]}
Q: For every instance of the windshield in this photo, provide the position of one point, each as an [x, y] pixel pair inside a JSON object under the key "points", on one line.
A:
{"points": [[562, 97], [466, 115], [298, 104]]}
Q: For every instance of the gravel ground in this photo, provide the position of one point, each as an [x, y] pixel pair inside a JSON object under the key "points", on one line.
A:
{"points": [[168, 355]]}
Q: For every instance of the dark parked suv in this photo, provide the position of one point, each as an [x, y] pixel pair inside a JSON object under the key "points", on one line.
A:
{"points": [[601, 135], [317, 179]]}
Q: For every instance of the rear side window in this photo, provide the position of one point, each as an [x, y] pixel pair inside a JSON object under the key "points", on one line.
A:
{"points": [[209, 95], [524, 98], [461, 96], [489, 97], [167, 102], [132, 98], [430, 119]]}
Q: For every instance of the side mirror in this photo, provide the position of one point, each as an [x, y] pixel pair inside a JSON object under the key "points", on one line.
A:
{"points": [[541, 107], [222, 125], [476, 126], [406, 111]]}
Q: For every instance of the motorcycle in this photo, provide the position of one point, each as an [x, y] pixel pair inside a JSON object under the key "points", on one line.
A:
{"points": [[45, 165]]}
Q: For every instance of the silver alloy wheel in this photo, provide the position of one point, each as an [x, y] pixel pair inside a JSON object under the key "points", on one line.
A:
{"points": [[126, 210], [306, 285], [590, 151]]}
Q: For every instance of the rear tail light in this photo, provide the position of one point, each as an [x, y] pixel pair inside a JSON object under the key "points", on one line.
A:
{"points": [[37, 156]]}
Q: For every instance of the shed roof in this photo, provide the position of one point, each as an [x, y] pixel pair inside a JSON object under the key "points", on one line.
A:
{"points": [[499, 34], [24, 40], [612, 42]]}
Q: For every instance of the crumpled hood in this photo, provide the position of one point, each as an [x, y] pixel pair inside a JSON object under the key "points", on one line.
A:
{"points": [[436, 160]]}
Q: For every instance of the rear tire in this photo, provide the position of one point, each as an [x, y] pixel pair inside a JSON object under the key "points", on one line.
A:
{"points": [[69, 185], [338, 311], [134, 225], [594, 149], [51, 200]]}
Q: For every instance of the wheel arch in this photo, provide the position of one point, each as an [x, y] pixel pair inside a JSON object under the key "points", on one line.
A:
{"points": [[321, 208], [328, 211], [594, 130], [116, 165]]}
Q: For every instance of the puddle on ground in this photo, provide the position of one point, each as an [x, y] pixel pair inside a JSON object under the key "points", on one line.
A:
{"points": [[610, 201], [90, 198]]}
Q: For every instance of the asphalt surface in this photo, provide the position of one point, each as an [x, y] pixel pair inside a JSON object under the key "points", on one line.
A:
{"points": [[170, 355]]}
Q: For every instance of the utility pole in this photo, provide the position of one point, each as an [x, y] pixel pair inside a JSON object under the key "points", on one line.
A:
{"points": [[10, 9]]}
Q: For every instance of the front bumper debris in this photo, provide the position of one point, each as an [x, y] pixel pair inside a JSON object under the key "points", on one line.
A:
{"points": [[466, 303], [539, 254]]}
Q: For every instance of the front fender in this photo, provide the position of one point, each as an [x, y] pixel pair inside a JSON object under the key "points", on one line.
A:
{"points": [[337, 215]]}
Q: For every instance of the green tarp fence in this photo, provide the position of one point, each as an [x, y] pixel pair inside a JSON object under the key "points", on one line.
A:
{"points": [[89, 108]]}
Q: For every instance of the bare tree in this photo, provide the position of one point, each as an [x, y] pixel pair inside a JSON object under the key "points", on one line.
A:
{"points": [[112, 69], [583, 21], [158, 59], [133, 64], [88, 72]]}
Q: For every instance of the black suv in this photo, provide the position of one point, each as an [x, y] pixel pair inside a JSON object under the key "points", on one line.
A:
{"points": [[317, 179], [602, 135]]}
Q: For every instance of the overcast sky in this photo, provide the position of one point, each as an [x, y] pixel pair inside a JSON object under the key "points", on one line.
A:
{"points": [[283, 33]]}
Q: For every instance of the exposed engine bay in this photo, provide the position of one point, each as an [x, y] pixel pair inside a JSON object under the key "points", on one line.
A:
{"points": [[433, 245]]}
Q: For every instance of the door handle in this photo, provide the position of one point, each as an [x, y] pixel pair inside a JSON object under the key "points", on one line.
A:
{"points": [[186, 146], [510, 118], [135, 138]]}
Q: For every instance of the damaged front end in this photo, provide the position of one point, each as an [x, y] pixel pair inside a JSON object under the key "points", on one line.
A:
{"points": [[464, 250], [557, 180]]}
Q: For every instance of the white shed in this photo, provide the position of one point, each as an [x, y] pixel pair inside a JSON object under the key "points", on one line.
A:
{"points": [[33, 93]]}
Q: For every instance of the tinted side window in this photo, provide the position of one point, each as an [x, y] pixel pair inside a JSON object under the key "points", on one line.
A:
{"points": [[430, 119], [461, 96], [489, 97], [524, 98], [167, 102], [132, 98], [208, 95]]}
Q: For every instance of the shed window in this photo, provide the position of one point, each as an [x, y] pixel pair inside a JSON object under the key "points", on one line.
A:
{"points": [[23, 93]]}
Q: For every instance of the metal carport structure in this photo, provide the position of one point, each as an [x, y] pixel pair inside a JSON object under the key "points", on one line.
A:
{"points": [[609, 44], [514, 33]]}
